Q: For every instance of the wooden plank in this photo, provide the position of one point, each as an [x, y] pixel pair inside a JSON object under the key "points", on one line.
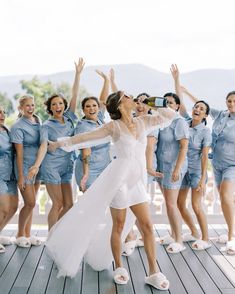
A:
{"points": [[73, 286], [55, 285], [106, 284], [128, 288], [41, 275], [166, 266], [187, 277], [90, 280], [201, 269], [138, 273], [11, 272]]}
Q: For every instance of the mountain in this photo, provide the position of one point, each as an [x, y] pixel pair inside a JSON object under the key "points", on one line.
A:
{"points": [[209, 84]]}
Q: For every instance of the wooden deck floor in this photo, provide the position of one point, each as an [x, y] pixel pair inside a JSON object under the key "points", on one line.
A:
{"points": [[32, 271]]}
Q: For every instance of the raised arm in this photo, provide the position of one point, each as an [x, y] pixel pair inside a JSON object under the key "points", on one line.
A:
{"points": [[113, 85], [178, 90], [105, 89], [75, 89], [193, 98], [99, 133]]}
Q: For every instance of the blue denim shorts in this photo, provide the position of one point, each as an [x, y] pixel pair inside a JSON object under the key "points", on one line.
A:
{"points": [[8, 188], [166, 181], [190, 180], [222, 174]]}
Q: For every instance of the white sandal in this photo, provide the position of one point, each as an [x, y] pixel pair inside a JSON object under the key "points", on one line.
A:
{"points": [[128, 248], [201, 245], [2, 248], [35, 241], [5, 240], [222, 239], [230, 247], [121, 276], [175, 248], [23, 242], [166, 240], [157, 281]]}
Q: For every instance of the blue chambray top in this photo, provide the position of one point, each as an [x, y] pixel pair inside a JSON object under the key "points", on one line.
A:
{"points": [[52, 129], [223, 138], [199, 137], [99, 154], [168, 144], [6, 154], [27, 133]]}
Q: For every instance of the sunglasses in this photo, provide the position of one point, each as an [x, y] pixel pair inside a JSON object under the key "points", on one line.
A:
{"points": [[124, 95]]}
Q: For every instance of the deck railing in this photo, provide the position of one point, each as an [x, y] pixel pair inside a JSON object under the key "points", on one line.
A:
{"points": [[158, 209]]}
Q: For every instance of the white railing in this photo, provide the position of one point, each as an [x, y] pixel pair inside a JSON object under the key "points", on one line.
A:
{"points": [[158, 209]]}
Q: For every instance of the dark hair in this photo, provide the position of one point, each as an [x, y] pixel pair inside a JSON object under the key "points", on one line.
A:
{"points": [[230, 94], [112, 105], [207, 109], [143, 94], [146, 95], [173, 95], [89, 98], [49, 100]]}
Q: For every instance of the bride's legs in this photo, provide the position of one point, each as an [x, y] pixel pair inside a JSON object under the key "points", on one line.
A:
{"points": [[142, 213], [118, 217]]}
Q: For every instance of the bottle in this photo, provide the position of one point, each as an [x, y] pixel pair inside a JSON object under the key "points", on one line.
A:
{"points": [[158, 102]]}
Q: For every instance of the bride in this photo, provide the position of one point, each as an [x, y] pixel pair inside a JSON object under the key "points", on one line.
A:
{"points": [[121, 187]]}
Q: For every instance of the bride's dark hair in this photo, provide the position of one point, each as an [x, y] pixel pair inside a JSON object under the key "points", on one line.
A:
{"points": [[112, 104]]}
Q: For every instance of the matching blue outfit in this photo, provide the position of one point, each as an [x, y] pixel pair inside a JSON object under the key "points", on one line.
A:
{"points": [[168, 150], [27, 133], [7, 182], [223, 145], [154, 134], [199, 137], [99, 158], [57, 167]]}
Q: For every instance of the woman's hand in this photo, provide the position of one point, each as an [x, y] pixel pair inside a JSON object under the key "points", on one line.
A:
{"points": [[79, 65], [175, 175], [201, 187], [52, 146], [155, 174], [83, 182], [174, 72], [32, 172], [21, 183], [100, 73]]}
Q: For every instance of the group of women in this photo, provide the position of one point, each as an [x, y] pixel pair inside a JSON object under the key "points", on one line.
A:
{"points": [[168, 144]]}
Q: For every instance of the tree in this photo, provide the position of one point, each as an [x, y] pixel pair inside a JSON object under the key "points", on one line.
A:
{"points": [[6, 103], [42, 90]]}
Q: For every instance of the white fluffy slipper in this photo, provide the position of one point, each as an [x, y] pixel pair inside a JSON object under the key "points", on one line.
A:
{"points": [[201, 245], [121, 276], [158, 281]]}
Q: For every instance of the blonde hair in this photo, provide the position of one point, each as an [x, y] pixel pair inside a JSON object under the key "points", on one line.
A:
{"points": [[22, 100]]}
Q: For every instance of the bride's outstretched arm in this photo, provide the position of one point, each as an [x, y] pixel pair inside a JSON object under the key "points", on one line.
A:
{"points": [[102, 132]]}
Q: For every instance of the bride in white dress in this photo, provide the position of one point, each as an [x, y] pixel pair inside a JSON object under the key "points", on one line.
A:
{"points": [[85, 230]]}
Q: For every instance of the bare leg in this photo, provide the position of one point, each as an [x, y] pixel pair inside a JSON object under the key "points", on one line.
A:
{"points": [[8, 207], [118, 217], [226, 191], [67, 198], [181, 202], [200, 214], [173, 213], [56, 196], [26, 212], [142, 213]]}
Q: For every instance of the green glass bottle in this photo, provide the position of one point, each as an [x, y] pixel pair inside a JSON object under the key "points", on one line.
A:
{"points": [[158, 102]]}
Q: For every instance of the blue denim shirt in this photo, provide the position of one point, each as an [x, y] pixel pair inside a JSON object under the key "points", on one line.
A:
{"points": [[199, 137], [6, 154], [27, 133], [52, 129], [100, 157], [223, 138], [168, 144]]}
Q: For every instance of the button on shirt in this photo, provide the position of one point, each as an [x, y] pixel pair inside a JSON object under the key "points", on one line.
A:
{"points": [[223, 138], [199, 137], [168, 144]]}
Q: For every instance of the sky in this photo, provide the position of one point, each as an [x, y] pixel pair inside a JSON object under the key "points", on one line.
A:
{"points": [[47, 36]]}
